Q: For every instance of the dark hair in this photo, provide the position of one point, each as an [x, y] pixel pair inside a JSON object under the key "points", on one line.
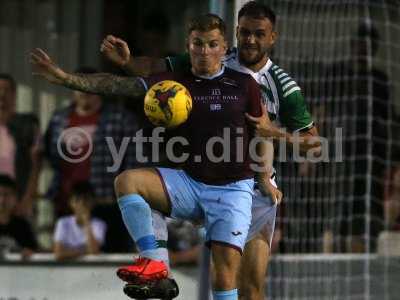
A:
{"points": [[207, 22], [258, 11], [10, 79], [83, 190], [8, 182]]}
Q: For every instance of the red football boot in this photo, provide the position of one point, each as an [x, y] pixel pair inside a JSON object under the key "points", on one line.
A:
{"points": [[143, 270]]}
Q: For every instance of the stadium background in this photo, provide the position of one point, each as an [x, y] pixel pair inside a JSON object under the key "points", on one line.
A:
{"points": [[323, 201]]}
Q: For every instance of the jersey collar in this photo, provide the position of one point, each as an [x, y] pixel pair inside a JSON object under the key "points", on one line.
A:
{"points": [[219, 73]]}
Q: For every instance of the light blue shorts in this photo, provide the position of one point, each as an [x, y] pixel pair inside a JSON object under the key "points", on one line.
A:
{"points": [[224, 209], [263, 214]]}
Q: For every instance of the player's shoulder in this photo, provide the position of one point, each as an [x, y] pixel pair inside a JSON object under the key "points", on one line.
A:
{"points": [[237, 74], [240, 78], [168, 75], [283, 81]]}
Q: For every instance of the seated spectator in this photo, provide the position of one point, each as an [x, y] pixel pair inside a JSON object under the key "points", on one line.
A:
{"points": [[84, 153], [16, 234], [79, 234], [184, 242], [19, 147]]}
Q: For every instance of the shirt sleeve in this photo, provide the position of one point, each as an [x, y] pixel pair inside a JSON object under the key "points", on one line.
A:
{"points": [[59, 231], [178, 63], [294, 113], [99, 230], [254, 95]]}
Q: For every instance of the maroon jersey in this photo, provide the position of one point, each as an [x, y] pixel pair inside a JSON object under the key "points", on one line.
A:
{"points": [[217, 133]]}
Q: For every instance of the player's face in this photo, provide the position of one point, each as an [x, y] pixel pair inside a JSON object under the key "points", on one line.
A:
{"points": [[255, 38], [7, 98], [206, 51]]}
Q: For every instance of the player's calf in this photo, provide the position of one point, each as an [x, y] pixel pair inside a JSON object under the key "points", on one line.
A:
{"points": [[251, 292], [138, 190], [226, 262]]}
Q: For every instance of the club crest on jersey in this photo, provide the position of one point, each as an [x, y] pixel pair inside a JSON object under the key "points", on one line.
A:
{"points": [[215, 92]]}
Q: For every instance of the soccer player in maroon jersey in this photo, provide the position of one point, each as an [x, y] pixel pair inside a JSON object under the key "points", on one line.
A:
{"points": [[219, 193], [256, 35]]}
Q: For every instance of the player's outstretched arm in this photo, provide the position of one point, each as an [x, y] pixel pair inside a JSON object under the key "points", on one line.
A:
{"points": [[117, 51], [100, 83]]}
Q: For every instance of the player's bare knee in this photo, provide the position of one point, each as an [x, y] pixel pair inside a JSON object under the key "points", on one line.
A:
{"points": [[224, 279], [126, 183]]}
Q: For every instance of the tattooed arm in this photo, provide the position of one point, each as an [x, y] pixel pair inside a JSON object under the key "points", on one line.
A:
{"points": [[100, 83], [105, 84]]}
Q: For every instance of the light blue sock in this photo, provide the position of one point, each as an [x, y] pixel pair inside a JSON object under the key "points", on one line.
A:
{"points": [[225, 295], [136, 214], [161, 234]]}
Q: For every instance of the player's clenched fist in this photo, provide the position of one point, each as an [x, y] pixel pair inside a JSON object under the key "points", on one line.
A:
{"points": [[42, 65], [116, 50]]}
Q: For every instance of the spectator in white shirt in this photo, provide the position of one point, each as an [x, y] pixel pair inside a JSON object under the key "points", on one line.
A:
{"points": [[79, 234]]}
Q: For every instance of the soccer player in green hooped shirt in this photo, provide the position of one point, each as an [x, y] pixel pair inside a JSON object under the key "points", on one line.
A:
{"points": [[284, 102]]}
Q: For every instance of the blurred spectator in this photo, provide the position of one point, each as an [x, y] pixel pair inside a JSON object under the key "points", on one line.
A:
{"points": [[19, 149], [79, 234], [392, 200], [357, 84], [16, 234], [184, 242], [84, 153]]}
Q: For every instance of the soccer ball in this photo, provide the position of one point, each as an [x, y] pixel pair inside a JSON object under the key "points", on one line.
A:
{"points": [[167, 104]]}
